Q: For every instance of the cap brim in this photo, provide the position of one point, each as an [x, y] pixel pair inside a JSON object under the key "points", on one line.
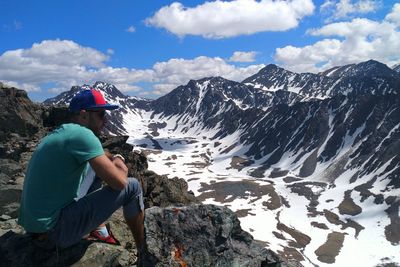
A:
{"points": [[106, 106]]}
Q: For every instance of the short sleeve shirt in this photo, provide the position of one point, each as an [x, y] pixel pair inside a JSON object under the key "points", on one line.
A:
{"points": [[54, 174]]}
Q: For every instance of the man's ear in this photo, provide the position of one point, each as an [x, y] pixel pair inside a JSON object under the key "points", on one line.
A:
{"points": [[83, 114]]}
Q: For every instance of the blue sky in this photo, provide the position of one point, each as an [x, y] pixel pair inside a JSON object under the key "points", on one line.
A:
{"points": [[148, 48]]}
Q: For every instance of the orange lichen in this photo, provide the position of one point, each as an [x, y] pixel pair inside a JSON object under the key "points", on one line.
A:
{"points": [[176, 210], [178, 255]]}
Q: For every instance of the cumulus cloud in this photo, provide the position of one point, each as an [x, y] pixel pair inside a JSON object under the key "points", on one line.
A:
{"points": [[394, 16], [346, 8], [239, 56], [176, 72], [346, 42], [222, 19], [62, 64]]}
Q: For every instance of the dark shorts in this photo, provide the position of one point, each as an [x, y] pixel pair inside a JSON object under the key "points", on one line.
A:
{"points": [[88, 212]]}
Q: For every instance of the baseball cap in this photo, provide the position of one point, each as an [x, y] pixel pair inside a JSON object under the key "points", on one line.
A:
{"points": [[89, 99]]}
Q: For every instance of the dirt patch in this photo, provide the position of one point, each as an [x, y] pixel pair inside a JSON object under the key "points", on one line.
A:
{"points": [[275, 173], [228, 149], [319, 225], [244, 213], [302, 240], [149, 152], [392, 231], [274, 202], [169, 164], [290, 179], [289, 253], [217, 144], [172, 157], [330, 249], [358, 227], [278, 235], [239, 163], [153, 127], [224, 192], [347, 206], [198, 165], [193, 179], [257, 173], [334, 219], [305, 189], [194, 173]]}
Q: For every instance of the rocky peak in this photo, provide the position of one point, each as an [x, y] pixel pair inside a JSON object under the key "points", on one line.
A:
{"points": [[18, 113], [370, 68], [109, 90]]}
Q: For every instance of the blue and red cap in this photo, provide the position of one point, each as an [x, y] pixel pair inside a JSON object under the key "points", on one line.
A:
{"points": [[89, 99]]}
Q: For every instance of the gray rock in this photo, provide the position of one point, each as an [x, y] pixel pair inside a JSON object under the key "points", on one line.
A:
{"points": [[201, 235], [22, 250]]}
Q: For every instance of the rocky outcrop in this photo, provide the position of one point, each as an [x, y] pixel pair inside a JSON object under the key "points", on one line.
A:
{"points": [[220, 227], [201, 235], [17, 113]]}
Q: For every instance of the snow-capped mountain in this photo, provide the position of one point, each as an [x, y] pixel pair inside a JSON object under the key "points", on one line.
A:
{"points": [[370, 77], [309, 162]]}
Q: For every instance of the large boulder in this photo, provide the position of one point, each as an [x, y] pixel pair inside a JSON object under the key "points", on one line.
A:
{"points": [[201, 235]]}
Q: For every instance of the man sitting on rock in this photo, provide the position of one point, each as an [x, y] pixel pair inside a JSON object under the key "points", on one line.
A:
{"points": [[53, 207]]}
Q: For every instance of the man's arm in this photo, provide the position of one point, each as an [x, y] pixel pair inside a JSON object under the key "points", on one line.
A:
{"points": [[114, 173]]}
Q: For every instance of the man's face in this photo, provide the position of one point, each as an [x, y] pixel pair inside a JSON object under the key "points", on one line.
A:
{"points": [[97, 121]]}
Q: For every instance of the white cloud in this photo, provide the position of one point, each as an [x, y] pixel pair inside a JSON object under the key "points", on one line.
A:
{"points": [[349, 42], [345, 8], [176, 72], [222, 19], [62, 63], [394, 15], [239, 56], [123, 87], [131, 29], [110, 51]]}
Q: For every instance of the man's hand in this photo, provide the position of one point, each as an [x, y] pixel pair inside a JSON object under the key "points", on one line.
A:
{"points": [[120, 164], [113, 173]]}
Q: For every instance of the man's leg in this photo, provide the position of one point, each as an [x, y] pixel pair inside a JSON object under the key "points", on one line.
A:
{"points": [[85, 214], [136, 226]]}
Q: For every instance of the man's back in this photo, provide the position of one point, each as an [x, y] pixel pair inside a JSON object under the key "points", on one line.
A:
{"points": [[54, 174]]}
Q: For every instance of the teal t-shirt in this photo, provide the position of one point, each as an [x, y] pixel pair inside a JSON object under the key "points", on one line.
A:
{"points": [[54, 174]]}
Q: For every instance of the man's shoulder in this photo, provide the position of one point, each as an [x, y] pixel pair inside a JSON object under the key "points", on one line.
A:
{"points": [[73, 126]]}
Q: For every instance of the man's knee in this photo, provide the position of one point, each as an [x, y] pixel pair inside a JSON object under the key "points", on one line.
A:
{"points": [[135, 203], [135, 186]]}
